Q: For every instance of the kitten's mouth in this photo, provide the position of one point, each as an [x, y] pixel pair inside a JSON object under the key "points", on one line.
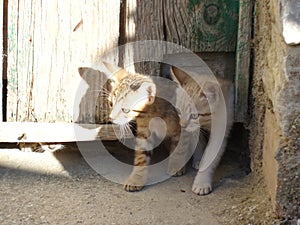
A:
{"points": [[189, 127], [121, 122], [184, 126]]}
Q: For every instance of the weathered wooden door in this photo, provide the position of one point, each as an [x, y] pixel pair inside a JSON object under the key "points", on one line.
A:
{"points": [[48, 40], [1, 58]]}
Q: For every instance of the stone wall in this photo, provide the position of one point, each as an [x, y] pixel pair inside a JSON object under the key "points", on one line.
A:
{"points": [[275, 103]]}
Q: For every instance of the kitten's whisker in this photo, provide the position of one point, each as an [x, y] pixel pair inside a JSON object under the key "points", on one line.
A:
{"points": [[123, 132], [128, 130], [120, 133]]}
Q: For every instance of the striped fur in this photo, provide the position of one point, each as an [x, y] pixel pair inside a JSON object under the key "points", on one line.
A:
{"points": [[134, 97]]}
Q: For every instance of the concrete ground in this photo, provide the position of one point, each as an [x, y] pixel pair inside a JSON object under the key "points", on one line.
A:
{"points": [[61, 188]]}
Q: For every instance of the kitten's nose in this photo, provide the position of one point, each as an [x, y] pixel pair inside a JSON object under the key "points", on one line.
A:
{"points": [[112, 116], [183, 124]]}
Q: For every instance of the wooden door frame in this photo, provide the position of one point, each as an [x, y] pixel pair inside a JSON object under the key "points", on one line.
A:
{"points": [[243, 51], [2, 56]]}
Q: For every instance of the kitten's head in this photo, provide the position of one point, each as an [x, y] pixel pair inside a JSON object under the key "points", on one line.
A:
{"points": [[196, 103], [130, 94]]}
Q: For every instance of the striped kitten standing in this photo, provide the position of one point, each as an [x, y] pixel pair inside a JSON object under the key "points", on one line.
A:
{"points": [[135, 97], [203, 105]]}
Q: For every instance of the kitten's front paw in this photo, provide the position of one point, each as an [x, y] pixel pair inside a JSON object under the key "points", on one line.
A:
{"points": [[175, 172], [134, 183], [202, 184], [201, 189], [180, 172]]}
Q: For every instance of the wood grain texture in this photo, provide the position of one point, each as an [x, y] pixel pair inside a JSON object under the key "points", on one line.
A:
{"points": [[199, 25], [221, 64], [1, 57], [28, 132], [178, 22], [48, 41], [202, 25], [144, 21], [243, 61]]}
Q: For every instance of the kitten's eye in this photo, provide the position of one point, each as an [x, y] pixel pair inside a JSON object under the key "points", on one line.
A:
{"points": [[194, 116], [110, 104], [125, 110]]}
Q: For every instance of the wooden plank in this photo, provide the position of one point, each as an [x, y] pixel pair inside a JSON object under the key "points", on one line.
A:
{"points": [[48, 41], [190, 62], [1, 57], [222, 64], [143, 21], [28, 132], [199, 25], [202, 25], [243, 61], [219, 64], [181, 22]]}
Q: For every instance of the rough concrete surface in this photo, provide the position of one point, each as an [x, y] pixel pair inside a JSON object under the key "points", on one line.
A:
{"points": [[60, 188], [275, 139]]}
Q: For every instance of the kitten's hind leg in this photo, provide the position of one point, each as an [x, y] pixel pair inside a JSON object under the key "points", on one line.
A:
{"points": [[198, 153], [180, 154]]}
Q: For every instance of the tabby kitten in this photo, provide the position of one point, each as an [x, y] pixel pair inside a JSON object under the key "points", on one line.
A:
{"points": [[205, 107], [135, 97]]}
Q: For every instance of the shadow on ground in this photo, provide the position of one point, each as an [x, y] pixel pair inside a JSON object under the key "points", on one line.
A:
{"points": [[61, 188]]}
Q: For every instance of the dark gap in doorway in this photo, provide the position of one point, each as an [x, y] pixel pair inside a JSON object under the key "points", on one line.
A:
{"points": [[4, 58]]}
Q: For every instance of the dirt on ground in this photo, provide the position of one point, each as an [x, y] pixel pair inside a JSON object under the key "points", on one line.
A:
{"points": [[61, 188]]}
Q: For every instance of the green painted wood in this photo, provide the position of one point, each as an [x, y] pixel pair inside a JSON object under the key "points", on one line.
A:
{"points": [[243, 61], [199, 25], [214, 24], [202, 25]]}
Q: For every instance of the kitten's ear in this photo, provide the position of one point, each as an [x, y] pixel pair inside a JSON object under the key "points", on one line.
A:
{"points": [[81, 70], [211, 91], [86, 71], [178, 75], [92, 77], [148, 89], [118, 73], [209, 97]]}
